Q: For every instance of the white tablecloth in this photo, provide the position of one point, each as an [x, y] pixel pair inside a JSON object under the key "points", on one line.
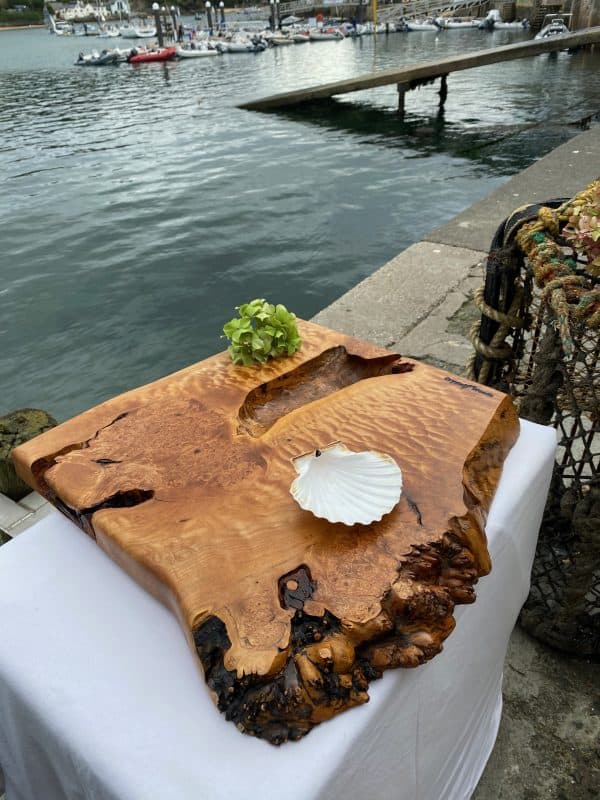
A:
{"points": [[101, 699]]}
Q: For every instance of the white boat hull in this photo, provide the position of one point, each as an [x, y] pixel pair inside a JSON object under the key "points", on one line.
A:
{"points": [[138, 33], [199, 53], [317, 36], [551, 31], [447, 23], [421, 26]]}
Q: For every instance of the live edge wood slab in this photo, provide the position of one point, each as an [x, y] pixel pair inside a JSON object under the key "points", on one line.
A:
{"points": [[185, 484]]}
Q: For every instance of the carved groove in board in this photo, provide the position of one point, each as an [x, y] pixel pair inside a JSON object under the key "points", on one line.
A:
{"points": [[332, 370]]}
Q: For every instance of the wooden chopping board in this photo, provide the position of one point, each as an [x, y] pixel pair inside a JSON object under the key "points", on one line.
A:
{"points": [[185, 483]]}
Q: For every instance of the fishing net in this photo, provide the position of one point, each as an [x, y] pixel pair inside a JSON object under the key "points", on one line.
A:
{"points": [[539, 340]]}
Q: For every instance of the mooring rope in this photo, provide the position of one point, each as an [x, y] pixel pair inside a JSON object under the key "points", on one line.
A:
{"points": [[570, 288]]}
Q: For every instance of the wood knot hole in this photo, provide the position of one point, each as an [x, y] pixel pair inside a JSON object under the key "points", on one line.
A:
{"points": [[296, 587]]}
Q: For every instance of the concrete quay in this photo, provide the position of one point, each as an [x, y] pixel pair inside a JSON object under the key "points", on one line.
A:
{"points": [[420, 304]]}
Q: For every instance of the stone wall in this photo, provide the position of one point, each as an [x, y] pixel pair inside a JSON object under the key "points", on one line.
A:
{"points": [[586, 13], [536, 10], [507, 9]]}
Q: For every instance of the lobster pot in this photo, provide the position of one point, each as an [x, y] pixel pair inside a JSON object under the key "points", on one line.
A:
{"points": [[539, 340]]}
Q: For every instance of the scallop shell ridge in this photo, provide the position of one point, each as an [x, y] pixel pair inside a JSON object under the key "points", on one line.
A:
{"points": [[340, 485]]}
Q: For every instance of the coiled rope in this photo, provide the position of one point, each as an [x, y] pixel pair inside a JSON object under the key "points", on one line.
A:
{"points": [[568, 288]]}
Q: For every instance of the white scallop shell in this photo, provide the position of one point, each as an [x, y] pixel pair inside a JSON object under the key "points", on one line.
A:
{"points": [[339, 485]]}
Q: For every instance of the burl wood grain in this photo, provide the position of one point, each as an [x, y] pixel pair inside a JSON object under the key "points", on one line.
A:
{"points": [[185, 483]]}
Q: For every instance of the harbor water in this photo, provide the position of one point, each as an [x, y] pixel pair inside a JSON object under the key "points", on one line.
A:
{"points": [[140, 206]]}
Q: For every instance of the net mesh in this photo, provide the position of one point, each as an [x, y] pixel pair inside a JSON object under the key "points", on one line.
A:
{"points": [[539, 340]]}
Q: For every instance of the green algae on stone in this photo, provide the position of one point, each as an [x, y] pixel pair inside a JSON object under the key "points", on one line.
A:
{"points": [[15, 428]]}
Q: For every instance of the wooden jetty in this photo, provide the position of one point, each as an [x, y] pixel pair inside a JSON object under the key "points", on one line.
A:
{"points": [[411, 77]]}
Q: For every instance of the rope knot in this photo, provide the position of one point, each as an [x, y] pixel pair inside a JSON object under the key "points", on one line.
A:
{"points": [[549, 219]]}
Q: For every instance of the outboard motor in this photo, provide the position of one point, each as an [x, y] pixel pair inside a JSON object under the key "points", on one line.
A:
{"points": [[490, 20]]}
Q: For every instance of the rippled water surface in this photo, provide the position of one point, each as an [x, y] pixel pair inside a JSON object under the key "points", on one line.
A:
{"points": [[139, 205]]}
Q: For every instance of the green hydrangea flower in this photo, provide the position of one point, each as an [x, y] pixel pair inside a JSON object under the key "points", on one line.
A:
{"points": [[261, 331]]}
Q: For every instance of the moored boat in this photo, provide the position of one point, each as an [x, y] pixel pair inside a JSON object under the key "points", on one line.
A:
{"points": [[421, 25], [456, 23], [59, 28], [518, 24], [196, 52], [494, 22], [326, 35], [87, 29], [161, 54], [95, 59], [62, 29], [138, 32], [354, 29], [554, 25], [122, 53], [109, 33], [242, 44], [281, 41]]}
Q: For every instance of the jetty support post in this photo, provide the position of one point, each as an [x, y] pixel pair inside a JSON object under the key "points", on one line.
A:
{"points": [[272, 15], [443, 93], [403, 88], [173, 11], [209, 22], [158, 24]]}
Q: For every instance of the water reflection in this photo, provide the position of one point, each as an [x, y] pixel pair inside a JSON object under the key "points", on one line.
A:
{"points": [[419, 135], [163, 67]]}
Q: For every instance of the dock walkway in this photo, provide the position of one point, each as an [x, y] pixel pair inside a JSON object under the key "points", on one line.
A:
{"points": [[417, 74]]}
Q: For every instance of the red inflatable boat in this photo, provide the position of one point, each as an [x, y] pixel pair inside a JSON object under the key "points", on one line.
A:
{"points": [[165, 54]]}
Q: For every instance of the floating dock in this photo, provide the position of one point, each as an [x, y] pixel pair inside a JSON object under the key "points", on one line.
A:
{"points": [[410, 77]]}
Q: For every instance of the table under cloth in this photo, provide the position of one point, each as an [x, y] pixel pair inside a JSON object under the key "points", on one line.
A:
{"points": [[100, 697]]}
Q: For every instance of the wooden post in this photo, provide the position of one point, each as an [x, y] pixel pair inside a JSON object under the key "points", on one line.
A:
{"points": [[443, 93], [403, 88]]}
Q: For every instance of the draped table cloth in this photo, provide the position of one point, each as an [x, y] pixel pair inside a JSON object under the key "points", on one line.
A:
{"points": [[101, 699]]}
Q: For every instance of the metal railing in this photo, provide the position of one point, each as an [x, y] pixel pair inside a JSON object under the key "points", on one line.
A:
{"points": [[415, 9], [425, 9]]}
